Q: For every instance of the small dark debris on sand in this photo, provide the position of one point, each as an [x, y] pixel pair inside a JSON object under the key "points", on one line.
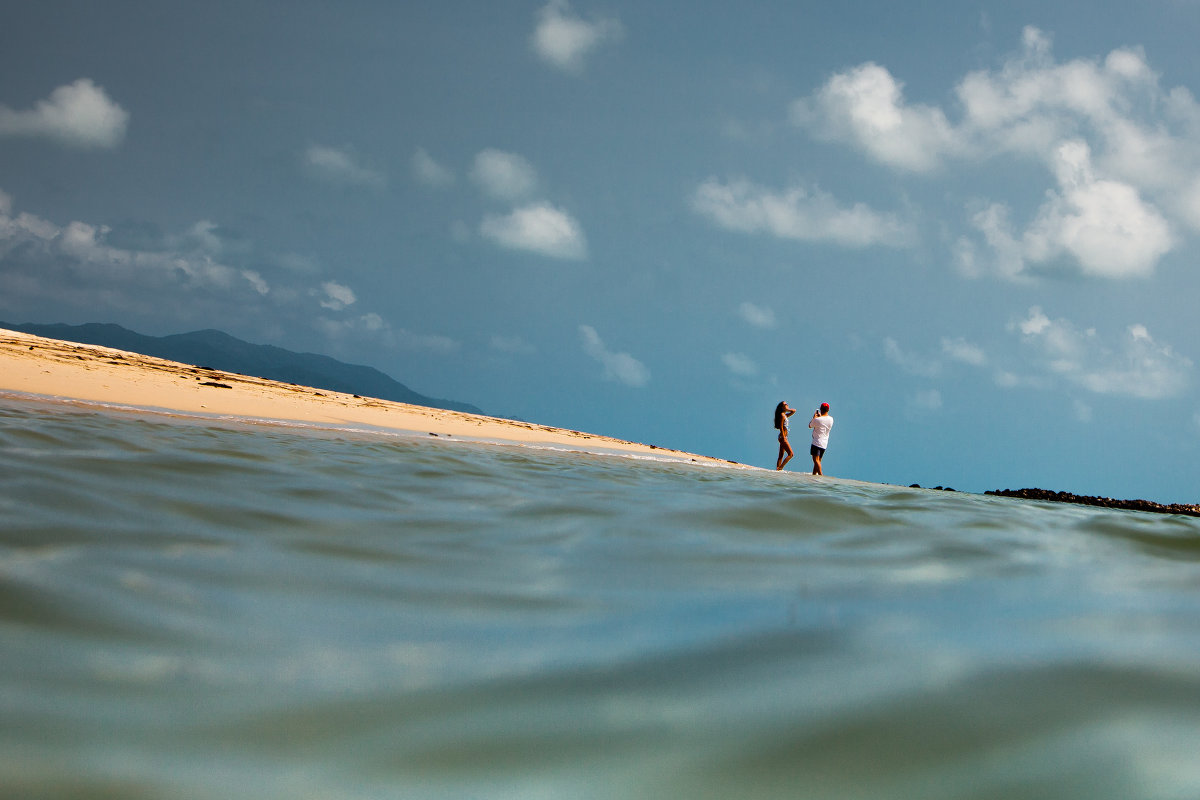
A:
{"points": [[1192, 510], [218, 385]]}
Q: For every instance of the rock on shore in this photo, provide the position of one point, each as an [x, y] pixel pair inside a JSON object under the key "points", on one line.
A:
{"points": [[1106, 502]]}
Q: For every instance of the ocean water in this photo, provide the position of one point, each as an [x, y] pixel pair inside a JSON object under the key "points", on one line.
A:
{"points": [[198, 608]]}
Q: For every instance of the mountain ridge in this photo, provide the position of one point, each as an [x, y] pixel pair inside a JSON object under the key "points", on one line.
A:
{"points": [[219, 350]]}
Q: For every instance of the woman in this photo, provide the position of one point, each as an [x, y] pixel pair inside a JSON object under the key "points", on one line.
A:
{"points": [[782, 412]]}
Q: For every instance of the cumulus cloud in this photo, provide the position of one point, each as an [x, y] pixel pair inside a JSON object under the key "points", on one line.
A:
{"points": [[1027, 106], [620, 367], [758, 316], [505, 176], [203, 235], [961, 350], [1121, 151], [335, 296], [1105, 228], [81, 246], [796, 213], [866, 105], [429, 172], [1105, 225], [340, 166], [1032, 103], [563, 39], [740, 364], [76, 264], [1136, 366], [80, 114], [540, 228]]}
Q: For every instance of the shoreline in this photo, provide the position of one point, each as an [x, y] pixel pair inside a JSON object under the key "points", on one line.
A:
{"points": [[53, 369], [36, 368]]}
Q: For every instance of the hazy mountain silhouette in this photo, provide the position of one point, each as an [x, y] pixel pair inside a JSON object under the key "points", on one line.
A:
{"points": [[217, 350]]}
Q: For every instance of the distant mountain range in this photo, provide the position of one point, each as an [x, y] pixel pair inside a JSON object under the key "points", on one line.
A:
{"points": [[217, 350]]}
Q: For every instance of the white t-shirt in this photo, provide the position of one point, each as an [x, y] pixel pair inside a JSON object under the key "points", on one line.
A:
{"points": [[820, 427]]}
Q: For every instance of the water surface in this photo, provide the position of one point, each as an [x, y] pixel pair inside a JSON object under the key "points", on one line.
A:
{"points": [[198, 608]]}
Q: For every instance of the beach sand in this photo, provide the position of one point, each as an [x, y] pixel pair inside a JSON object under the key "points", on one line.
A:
{"points": [[58, 370]]}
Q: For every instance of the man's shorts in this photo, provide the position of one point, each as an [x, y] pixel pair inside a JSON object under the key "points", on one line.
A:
{"points": [[816, 452]]}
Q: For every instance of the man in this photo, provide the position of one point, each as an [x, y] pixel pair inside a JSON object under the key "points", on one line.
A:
{"points": [[821, 424]]}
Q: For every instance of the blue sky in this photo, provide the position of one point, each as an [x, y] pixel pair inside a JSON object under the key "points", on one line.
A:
{"points": [[972, 228]]}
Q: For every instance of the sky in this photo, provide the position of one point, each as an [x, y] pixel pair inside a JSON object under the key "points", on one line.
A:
{"points": [[972, 228]]}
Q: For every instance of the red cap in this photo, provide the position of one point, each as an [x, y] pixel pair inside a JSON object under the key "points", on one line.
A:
{"points": [[824, 406]]}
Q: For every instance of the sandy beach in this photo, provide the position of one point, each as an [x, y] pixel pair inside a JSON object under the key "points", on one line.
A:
{"points": [[53, 369]]}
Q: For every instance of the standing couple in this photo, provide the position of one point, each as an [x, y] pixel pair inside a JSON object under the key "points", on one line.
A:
{"points": [[821, 424]]}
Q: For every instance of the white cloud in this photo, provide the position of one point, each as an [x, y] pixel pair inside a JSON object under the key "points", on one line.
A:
{"points": [[620, 367], [430, 172], [1123, 153], [340, 166], [255, 279], [909, 362], [1005, 256], [1033, 103], [866, 104], [335, 296], [539, 228], [1137, 366], [1103, 226], [84, 246], [204, 235], [80, 114], [797, 213], [563, 39], [758, 316], [1028, 106], [505, 176], [739, 364], [76, 264], [961, 350]]}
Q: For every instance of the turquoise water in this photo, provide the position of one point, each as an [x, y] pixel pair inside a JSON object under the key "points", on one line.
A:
{"points": [[195, 608]]}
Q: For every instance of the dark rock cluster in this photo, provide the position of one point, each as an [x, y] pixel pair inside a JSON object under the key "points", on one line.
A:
{"points": [[1107, 502]]}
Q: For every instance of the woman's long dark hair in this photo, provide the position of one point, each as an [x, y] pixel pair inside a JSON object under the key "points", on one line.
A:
{"points": [[779, 413]]}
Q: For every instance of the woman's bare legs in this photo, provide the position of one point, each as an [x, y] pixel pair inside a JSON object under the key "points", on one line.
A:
{"points": [[784, 447]]}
